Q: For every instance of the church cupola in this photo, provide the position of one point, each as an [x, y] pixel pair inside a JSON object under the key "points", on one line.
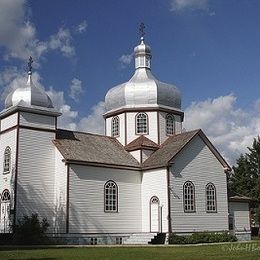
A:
{"points": [[143, 105], [28, 95]]}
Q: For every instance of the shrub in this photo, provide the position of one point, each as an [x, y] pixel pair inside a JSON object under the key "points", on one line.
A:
{"points": [[30, 230], [202, 237]]}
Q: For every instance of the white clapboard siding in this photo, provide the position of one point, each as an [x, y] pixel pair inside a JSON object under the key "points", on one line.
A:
{"points": [[36, 167], [86, 200], [121, 137], [240, 211], [60, 198], [137, 155], [9, 121], [196, 163], [154, 183], [7, 180], [162, 125], [152, 125], [36, 120]]}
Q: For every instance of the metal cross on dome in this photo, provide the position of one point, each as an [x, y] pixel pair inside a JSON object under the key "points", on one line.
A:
{"points": [[30, 63], [141, 29]]}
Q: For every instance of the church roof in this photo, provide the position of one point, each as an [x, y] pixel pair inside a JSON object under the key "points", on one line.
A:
{"points": [[142, 142], [173, 145], [92, 149], [77, 147], [143, 89]]}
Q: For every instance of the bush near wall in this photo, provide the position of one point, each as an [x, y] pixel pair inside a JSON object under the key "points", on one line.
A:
{"points": [[203, 237], [30, 230]]}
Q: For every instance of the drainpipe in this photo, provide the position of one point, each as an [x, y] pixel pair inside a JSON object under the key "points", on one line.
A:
{"points": [[169, 199]]}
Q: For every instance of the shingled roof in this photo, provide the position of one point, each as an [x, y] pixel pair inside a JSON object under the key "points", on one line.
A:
{"points": [[88, 148], [85, 148], [173, 145], [142, 142], [236, 197]]}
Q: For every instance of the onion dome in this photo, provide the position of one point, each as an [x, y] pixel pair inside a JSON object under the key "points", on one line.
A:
{"points": [[143, 89], [28, 95]]}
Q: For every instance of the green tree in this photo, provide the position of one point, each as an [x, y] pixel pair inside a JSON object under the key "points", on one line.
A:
{"points": [[30, 230], [245, 179]]}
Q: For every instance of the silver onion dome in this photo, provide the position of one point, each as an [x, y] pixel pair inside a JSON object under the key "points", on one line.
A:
{"points": [[28, 95], [143, 89]]}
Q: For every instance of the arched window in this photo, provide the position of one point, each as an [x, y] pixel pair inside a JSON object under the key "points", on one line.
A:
{"points": [[189, 197], [7, 159], [115, 126], [170, 125], [6, 196], [211, 198], [111, 197], [141, 123]]}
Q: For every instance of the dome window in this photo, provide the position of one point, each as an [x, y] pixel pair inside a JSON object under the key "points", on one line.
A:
{"points": [[115, 126], [170, 125], [141, 123]]}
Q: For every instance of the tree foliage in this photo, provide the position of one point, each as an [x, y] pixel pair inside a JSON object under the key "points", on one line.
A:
{"points": [[30, 230], [245, 179]]}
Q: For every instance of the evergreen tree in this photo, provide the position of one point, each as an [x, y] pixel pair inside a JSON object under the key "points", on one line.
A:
{"points": [[245, 179]]}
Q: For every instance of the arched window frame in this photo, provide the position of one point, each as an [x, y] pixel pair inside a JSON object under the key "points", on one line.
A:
{"points": [[6, 196], [110, 197], [141, 124], [189, 197], [170, 124], [211, 198], [7, 160], [115, 126]]}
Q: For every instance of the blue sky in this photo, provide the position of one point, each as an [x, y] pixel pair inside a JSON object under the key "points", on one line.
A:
{"points": [[209, 49]]}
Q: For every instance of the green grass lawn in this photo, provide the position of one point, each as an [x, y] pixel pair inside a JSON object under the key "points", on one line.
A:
{"points": [[246, 251]]}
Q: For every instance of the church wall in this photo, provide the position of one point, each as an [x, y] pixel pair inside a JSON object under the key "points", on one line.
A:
{"points": [[197, 164], [154, 183], [7, 180], [9, 121], [36, 167], [152, 123], [36, 120], [60, 199], [121, 137], [86, 200], [162, 125], [240, 212], [137, 155]]}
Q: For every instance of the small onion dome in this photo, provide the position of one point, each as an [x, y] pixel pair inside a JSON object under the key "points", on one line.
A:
{"points": [[143, 89], [28, 95]]}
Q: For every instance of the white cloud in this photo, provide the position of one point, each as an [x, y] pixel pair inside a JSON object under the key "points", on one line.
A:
{"points": [[18, 34], [82, 27], [94, 122], [125, 60], [68, 118], [75, 89], [181, 5], [62, 41], [230, 128]]}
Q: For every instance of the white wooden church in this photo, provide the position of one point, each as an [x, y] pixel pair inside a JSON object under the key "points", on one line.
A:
{"points": [[143, 177]]}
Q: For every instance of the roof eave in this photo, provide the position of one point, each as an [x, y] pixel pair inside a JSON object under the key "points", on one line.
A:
{"points": [[99, 164]]}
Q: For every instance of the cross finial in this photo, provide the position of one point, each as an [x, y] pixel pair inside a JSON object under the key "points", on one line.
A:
{"points": [[141, 29], [30, 64]]}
